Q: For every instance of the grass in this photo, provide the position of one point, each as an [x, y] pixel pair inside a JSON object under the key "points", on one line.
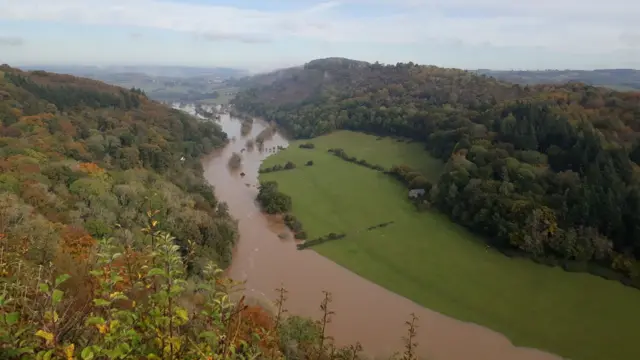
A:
{"points": [[438, 264], [380, 151], [226, 95]]}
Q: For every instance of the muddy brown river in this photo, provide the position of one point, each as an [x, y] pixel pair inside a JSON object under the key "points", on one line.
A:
{"points": [[365, 312]]}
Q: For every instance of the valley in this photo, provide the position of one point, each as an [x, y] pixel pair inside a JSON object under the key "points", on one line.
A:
{"points": [[365, 312], [483, 208], [440, 265]]}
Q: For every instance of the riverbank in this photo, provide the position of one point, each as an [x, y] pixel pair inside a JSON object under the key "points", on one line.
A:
{"points": [[440, 265], [365, 311]]}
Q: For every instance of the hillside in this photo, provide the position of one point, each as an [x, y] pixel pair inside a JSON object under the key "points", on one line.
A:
{"points": [[112, 245], [617, 79], [546, 171], [81, 160], [162, 83]]}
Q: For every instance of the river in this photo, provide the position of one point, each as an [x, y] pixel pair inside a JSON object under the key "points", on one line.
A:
{"points": [[364, 311]]}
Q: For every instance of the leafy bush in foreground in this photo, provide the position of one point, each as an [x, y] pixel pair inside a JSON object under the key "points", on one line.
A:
{"points": [[139, 304]]}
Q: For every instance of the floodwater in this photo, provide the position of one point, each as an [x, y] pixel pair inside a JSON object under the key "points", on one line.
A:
{"points": [[364, 311]]}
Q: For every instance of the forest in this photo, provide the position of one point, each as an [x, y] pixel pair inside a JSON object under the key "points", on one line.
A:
{"points": [[545, 171], [112, 244], [81, 160]]}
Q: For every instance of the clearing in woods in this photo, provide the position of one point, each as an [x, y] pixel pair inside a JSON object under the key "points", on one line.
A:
{"points": [[438, 264]]}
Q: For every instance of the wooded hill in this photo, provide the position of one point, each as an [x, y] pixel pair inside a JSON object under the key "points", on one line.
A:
{"points": [[112, 245], [81, 160], [549, 171]]}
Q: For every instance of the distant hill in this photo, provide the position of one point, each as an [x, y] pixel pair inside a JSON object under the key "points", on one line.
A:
{"points": [[617, 79], [150, 70], [162, 83]]}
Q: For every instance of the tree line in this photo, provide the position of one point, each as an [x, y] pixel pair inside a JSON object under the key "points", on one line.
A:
{"points": [[546, 171]]}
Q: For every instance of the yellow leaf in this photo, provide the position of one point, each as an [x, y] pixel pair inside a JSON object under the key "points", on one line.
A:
{"points": [[113, 295], [154, 223], [45, 335], [68, 351], [102, 328], [182, 314]]}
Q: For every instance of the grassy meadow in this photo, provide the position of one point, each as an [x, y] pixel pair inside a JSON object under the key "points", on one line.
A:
{"points": [[438, 264]]}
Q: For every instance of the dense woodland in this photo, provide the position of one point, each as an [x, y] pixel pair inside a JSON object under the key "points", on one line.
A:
{"points": [[112, 244], [548, 171], [81, 160]]}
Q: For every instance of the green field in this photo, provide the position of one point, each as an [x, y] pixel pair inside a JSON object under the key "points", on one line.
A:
{"points": [[436, 263]]}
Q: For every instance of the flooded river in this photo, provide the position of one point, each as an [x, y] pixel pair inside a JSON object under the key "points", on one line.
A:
{"points": [[365, 312]]}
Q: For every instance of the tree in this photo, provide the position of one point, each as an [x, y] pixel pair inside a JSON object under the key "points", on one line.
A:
{"points": [[235, 161]]}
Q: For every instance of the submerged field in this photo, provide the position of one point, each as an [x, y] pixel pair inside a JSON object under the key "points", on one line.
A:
{"points": [[438, 264]]}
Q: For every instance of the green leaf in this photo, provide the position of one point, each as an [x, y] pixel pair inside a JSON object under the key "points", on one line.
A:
{"points": [[12, 318], [20, 332], [182, 314], [155, 271], [101, 302], [96, 320], [47, 355], [43, 287], [21, 351], [124, 348], [208, 334], [62, 278], [87, 353], [57, 296]]}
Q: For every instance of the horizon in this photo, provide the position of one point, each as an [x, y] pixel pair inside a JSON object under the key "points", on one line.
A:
{"points": [[261, 36], [251, 72]]}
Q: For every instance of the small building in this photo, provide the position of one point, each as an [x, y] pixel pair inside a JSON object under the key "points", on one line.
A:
{"points": [[416, 193]]}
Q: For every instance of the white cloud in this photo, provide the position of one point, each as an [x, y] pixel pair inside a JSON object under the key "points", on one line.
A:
{"points": [[571, 26]]}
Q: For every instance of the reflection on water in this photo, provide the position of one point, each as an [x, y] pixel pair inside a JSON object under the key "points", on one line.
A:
{"points": [[365, 312]]}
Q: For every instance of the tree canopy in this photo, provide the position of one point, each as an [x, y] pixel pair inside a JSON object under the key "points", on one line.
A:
{"points": [[549, 171], [80, 160]]}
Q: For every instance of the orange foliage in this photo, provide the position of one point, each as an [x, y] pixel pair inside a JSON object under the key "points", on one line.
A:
{"points": [[35, 120], [22, 164], [76, 242], [67, 127], [256, 319], [91, 168]]}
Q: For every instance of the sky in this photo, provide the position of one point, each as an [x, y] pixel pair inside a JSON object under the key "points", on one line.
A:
{"points": [[260, 35]]}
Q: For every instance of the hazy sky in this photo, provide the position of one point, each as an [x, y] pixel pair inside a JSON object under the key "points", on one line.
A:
{"points": [[263, 34]]}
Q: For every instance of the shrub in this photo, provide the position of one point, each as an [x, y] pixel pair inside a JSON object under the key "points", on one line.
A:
{"points": [[235, 161], [250, 144]]}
